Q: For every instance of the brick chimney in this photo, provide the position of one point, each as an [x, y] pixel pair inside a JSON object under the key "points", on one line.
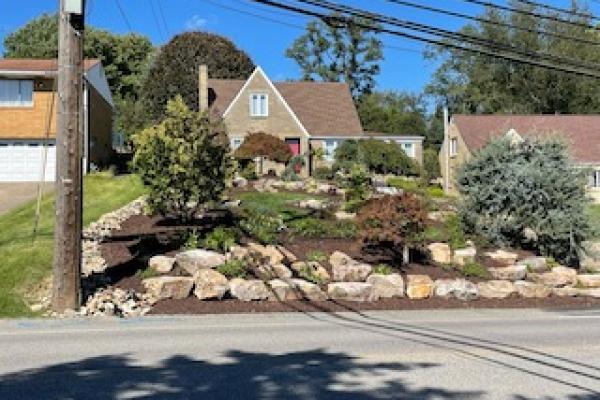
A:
{"points": [[203, 88]]}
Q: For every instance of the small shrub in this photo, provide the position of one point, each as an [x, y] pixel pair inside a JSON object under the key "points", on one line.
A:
{"points": [[392, 222], [292, 168], [248, 171], [435, 191], [316, 255], [357, 183], [147, 273], [383, 269], [345, 156], [234, 269], [262, 225], [192, 240], [309, 275], [474, 270], [455, 231], [220, 239], [261, 144], [323, 174], [319, 228], [431, 165], [408, 185]]}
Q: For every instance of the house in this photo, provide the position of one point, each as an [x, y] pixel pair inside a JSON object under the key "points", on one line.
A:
{"points": [[465, 134], [306, 115], [28, 107]]}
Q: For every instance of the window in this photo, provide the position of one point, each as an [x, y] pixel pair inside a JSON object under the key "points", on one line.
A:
{"points": [[259, 105], [595, 179], [235, 143], [453, 147], [408, 148], [16, 93], [329, 148]]}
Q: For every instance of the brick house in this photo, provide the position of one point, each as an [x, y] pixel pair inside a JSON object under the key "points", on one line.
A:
{"points": [[306, 115], [466, 134], [27, 114]]}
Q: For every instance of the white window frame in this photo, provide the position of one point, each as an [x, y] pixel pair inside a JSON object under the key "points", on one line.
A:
{"points": [[260, 113], [233, 140], [595, 179], [330, 150], [453, 147], [19, 102], [412, 151]]}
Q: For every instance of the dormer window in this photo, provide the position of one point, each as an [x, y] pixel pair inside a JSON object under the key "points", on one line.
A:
{"points": [[259, 105]]}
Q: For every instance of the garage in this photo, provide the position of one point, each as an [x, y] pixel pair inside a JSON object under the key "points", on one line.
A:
{"points": [[21, 160]]}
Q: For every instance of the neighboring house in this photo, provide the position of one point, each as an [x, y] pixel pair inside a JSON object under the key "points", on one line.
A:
{"points": [[28, 118], [468, 133], [306, 115]]}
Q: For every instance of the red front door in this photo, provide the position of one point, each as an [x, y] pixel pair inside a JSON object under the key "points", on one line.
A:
{"points": [[294, 145]]}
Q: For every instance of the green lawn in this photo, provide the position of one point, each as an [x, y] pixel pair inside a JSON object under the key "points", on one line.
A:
{"points": [[24, 262], [594, 217], [276, 202]]}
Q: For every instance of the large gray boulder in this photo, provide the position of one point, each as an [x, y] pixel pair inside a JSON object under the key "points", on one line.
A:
{"points": [[589, 256], [589, 280], [456, 288], [557, 277], [351, 291], [162, 264], [309, 290], [193, 260], [496, 289], [169, 287], [312, 268], [346, 269], [210, 284], [268, 253], [387, 286], [503, 256], [511, 273], [248, 290], [532, 290], [464, 256], [283, 291], [269, 271], [534, 264]]}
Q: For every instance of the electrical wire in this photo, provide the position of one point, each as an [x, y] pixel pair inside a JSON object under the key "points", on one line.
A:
{"points": [[558, 9], [162, 16], [123, 15], [156, 21]]}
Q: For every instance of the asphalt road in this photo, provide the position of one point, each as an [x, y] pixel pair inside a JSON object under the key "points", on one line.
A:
{"points": [[461, 354]]}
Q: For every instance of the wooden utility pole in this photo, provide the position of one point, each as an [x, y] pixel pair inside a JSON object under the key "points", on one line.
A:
{"points": [[66, 286]]}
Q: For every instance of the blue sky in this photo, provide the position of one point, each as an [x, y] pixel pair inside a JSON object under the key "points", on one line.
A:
{"points": [[265, 41]]}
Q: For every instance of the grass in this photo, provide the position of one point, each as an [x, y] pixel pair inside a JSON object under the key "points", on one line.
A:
{"points": [[593, 212], [415, 186], [276, 203], [24, 263]]}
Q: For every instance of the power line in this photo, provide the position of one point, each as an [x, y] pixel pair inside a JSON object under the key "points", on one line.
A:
{"points": [[162, 15], [558, 9], [454, 46], [123, 15], [531, 13], [489, 21], [431, 30], [156, 22]]}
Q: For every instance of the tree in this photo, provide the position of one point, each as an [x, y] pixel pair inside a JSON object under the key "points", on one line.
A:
{"points": [[261, 144], [339, 50], [393, 113], [475, 83], [376, 155], [183, 160], [525, 194], [174, 71]]}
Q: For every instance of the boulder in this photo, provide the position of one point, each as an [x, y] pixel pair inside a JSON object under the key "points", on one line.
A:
{"points": [[351, 291], [267, 252], [496, 289], [557, 277], [589, 280], [512, 273], [346, 269], [565, 292], [458, 288], [419, 286], [440, 253], [210, 284], [169, 287], [343, 215], [293, 185], [532, 290], [387, 286], [589, 256], [313, 204], [309, 290], [389, 190], [534, 264], [464, 256], [248, 290], [595, 293], [239, 182], [289, 257], [193, 260], [239, 252], [283, 291], [314, 268], [268, 271], [162, 264], [503, 256]]}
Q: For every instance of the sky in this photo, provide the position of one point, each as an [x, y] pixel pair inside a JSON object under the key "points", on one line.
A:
{"points": [[264, 39]]}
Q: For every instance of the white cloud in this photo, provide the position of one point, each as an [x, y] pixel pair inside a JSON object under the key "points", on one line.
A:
{"points": [[195, 23]]}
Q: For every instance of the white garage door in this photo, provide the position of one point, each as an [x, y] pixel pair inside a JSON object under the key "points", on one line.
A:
{"points": [[21, 161]]}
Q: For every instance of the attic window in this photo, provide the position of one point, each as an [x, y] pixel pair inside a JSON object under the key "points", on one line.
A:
{"points": [[259, 105]]}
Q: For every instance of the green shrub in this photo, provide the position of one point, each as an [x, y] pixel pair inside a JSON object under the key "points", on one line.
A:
{"points": [[319, 228], [220, 239], [386, 158], [357, 183], [308, 274], [431, 165], [455, 231], [323, 173], [262, 225], [261, 144], [474, 270], [192, 240], [408, 185], [183, 161], [248, 170], [345, 155], [292, 168], [147, 273], [234, 269], [316, 255], [435, 191], [526, 194], [383, 269]]}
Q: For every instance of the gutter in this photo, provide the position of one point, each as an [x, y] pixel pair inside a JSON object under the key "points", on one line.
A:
{"points": [[414, 138]]}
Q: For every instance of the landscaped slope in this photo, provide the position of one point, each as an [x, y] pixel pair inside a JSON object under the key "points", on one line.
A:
{"points": [[24, 262]]}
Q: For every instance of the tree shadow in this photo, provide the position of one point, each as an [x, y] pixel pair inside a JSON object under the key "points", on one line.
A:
{"points": [[291, 376]]}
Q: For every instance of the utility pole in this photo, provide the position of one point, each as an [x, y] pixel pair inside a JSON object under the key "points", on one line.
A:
{"points": [[66, 285]]}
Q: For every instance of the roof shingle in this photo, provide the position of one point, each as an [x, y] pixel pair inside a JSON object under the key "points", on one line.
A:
{"points": [[38, 65]]}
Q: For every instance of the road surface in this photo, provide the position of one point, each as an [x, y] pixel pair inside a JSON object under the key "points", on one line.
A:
{"points": [[460, 354]]}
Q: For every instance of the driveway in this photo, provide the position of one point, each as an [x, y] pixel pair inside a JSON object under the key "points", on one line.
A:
{"points": [[13, 194]]}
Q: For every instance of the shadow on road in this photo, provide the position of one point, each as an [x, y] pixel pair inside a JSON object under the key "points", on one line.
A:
{"points": [[314, 374]]}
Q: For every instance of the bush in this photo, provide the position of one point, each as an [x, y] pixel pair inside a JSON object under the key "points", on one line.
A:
{"points": [[292, 168], [525, 194], [192, 240], [318, 228], [386, 158], [263, 145], [220, 239], [455, 230], [234, 269], [357, 184], [316, 255], [392, 222], [323, 174], [262, 225], [248, 171], [431, 165], [383, 269], [345, 155], [475, 270], [183, 161]]}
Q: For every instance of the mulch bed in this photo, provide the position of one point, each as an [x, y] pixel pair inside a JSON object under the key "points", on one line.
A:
{"points": [[141, 237]]}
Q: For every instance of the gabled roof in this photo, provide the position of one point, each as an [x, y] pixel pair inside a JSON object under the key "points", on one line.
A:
{"points": [[323, 108], [38, 65], [581, 132]]}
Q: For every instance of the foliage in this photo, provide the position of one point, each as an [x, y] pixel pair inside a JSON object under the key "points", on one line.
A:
{"points": [[435, 191], [192, 240], [385, 158], [393, 112], [323, 173], [183, 160], [526, 194], [234, 269], [307, 273], [292, 168], [316, 255], [383, 269], [475, 83], [26, 263], [279, 203], [345, 155], [175, 68], [262, 225], [593, 214], [415, 186], [261, 144], [321, 228], [147, 273], [474, 270], [391, 221], [455, 230], [248, 170], [220, 239], [431, 165], [339, 49], [357, 184]]}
